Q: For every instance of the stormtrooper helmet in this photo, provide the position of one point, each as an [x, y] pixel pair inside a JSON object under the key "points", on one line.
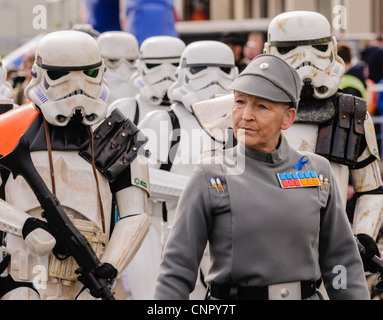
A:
{"points": [[156, 68], [304, 40], [68, 78], [119, 50], [207, 69]]}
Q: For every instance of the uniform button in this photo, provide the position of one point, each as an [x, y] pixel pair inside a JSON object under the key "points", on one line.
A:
{"points": [[284, 293]]}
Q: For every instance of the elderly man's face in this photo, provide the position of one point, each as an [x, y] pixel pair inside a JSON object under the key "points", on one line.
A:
{"points": [[258, 122]]}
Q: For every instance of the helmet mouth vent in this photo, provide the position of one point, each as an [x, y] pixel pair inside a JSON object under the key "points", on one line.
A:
{"points": [[76, 92], [307, 64]]}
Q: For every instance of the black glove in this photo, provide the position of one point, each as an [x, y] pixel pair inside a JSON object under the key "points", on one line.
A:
{"points": [[32, 224], [371, 250], [60, 251], [104, 271]]}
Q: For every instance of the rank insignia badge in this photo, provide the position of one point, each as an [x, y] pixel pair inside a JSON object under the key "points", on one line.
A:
{"points": [[301, 179]]}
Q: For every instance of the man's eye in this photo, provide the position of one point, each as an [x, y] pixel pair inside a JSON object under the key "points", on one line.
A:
{"points": [[321, 47], [195, 70], [54, 75], [93, 73], [176, 64], [152, 65], [285, 50]]}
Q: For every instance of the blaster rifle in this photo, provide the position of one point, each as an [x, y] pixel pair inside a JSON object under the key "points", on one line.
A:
{"points": [[19, 162]]}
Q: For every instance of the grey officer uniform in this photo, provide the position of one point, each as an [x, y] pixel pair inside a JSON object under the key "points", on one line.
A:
{"points": [[263, 232], [260, 234]]}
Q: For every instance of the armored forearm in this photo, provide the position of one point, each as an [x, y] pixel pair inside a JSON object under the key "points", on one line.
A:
{"points": [[130, 229], [11, 219], [368, 213]]}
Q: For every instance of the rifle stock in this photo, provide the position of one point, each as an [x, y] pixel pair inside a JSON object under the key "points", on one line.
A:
{"points": [[19, 162]]}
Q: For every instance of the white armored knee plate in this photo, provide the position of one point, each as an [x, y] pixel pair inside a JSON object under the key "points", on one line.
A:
{"points": [[156, 67], [304, 40], [68, 76], [119, 50], [207, 68]]}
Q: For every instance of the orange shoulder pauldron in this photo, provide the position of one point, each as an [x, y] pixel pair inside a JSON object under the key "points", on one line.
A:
{"points": [[13, 124]]}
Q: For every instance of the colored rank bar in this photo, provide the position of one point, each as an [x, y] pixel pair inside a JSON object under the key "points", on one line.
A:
{"points": [[298, 179]]}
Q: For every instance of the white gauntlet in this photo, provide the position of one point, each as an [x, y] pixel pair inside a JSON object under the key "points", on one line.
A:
{"points": [[37, 237]]}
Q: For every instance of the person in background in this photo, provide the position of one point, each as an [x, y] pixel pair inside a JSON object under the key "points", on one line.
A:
{"points": [[373, 56], [159, 58], [155, 72], [253, 46], [354, 80], [235, 42], [120, 51], [207, 69], [25, 72]]}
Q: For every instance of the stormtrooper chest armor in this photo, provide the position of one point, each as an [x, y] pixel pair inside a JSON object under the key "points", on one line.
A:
{"points": [[75, 184], [191, 142]]}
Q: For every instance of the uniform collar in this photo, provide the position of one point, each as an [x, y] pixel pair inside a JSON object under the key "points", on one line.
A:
{"points": [[269, 157]]}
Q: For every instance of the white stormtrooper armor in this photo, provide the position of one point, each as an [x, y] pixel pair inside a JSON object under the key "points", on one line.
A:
{"points": [[159, 58], [301, 39], [5, 87], [6, 101], [206, 69], [68, 83], [307, 44], [119, 50]]}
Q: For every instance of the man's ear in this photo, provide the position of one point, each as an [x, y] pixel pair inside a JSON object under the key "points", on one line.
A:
{"points": [[289, 118]]}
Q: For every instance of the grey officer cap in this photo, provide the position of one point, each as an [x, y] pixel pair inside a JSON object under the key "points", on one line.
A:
{"points": [[271, 78]]}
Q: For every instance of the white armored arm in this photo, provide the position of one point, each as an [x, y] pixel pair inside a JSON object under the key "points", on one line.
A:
{"points": [[130, 230], [367, 182], [12, 221], [133, 224], [368, 214]]}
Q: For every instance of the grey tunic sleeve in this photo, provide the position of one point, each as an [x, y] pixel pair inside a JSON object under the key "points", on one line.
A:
{"points": [[187, 241], [341, 265]]}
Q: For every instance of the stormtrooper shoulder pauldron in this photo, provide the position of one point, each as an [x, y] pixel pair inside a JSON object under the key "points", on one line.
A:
{"points": [[115, 145], [341, 126]]}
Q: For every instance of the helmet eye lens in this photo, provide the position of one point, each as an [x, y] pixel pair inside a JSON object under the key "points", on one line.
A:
{"points": [[195, 70], [152, 65], [321, 47], [93, 73], [285, 50], [54, 75], [227, 70]]}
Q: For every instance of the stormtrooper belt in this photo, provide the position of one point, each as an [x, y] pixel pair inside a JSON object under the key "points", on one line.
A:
{"points": [[285, 291]]}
